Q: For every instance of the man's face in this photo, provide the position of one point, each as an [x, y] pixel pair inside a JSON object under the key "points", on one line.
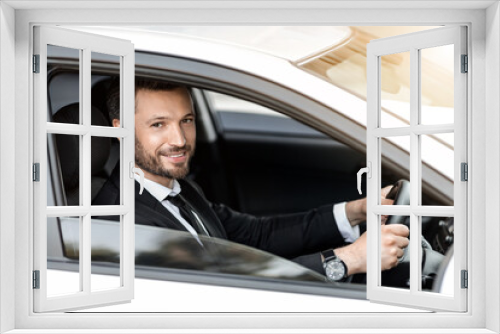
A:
{"points": [[165, 134]]}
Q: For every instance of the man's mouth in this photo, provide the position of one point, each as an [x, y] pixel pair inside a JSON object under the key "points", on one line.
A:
{"points": [[177, 157]]}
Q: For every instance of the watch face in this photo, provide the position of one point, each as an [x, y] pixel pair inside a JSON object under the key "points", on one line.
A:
{"points": [[335, 270]]}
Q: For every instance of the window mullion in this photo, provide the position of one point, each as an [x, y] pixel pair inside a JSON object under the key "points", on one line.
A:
{"points": [[414, 169], [417, 129], [86, 164], [127, 112], [85, 254], [434, 129], [406, 210]]}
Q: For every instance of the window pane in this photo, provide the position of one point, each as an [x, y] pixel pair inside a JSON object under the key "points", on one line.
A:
{"points": [[345, 64], [437, 250], [437, 85], [395, 162], [395, 86], [66, 109], [102, 64], [63, 172], [106, 246], [438, 156], [398, 276], [105, 152], [63, 277]]}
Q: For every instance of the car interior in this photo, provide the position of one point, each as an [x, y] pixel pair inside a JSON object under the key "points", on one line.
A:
{"points": [[259, 164]]}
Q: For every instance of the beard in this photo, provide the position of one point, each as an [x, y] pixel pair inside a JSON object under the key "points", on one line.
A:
{"points": [[153, 164]]}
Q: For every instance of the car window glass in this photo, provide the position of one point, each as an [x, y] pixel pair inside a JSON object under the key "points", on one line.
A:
{"points": [[166, 255], [170, 249], [236, 115]]}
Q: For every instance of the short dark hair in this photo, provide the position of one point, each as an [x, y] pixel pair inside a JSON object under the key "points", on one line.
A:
{"points": [[113, 100]]}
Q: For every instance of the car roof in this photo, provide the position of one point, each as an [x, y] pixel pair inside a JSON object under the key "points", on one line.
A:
{"points": [[281, 71], [288, 42]]}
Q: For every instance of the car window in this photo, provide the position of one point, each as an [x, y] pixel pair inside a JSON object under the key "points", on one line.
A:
{"points": [[159, 251], [170, 249], [235, 114]]}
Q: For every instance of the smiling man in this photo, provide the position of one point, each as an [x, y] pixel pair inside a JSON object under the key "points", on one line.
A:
{"points": [[159, 119], [325, 239]]}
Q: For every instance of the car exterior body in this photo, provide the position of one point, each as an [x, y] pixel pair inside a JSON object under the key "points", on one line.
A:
{"points": [[320, 116]]}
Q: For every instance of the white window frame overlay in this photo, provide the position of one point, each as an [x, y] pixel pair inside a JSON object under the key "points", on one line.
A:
{"points": [[413, 43], [86, 44], [16, 19]]}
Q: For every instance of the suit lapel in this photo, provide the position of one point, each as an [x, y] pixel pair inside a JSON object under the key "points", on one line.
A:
{"points": [[149, 211], [203, 210], [158, 214]]}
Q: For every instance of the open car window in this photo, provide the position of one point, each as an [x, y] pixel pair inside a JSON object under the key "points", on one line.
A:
{"points": [[304, 169]]}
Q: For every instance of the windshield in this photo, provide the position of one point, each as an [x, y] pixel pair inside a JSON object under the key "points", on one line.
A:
{"points": [[344, 65]]}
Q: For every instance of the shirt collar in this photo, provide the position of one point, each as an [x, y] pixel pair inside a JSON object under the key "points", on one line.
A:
{"points": [[158, 191]]}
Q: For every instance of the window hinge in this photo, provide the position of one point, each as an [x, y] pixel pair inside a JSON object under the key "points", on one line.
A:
{"points": [[464, 171], [36, 172], [464, 279], [36, 63], [465, 64], [36, 279]]}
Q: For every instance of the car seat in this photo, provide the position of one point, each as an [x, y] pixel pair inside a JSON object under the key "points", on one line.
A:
{"points": [[68, 156]]}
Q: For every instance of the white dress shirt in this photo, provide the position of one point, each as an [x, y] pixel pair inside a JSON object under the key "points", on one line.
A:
{"points": [[160, 192], [349, 233]]}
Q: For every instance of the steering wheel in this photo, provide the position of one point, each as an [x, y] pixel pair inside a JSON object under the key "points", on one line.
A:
{"points": [[400, 193], [399, 276]]}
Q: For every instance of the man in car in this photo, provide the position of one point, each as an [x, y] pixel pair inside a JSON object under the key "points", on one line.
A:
{"points": [[325, 238]]}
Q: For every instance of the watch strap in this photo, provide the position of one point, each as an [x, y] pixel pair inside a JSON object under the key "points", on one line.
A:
{"points": [[328, 255]]}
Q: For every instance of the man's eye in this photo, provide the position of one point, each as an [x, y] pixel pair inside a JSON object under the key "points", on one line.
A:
{"points": [[188, 120], [157, 125]]}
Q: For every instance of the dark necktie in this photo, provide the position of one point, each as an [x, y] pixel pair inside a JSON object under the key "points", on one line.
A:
{"points": [[187, 213]]}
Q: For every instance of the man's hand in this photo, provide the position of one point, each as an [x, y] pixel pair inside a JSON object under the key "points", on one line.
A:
{"points": [[356, 210], [394, 238]]}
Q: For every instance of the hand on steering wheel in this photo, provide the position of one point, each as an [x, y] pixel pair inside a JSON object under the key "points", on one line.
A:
{"points": [[400, 275]]}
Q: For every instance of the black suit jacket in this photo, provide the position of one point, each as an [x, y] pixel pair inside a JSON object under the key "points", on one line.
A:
{"points": [[294, 236]]}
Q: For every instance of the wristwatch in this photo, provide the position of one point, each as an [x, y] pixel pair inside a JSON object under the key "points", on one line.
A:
{"points": [[335, 268]]}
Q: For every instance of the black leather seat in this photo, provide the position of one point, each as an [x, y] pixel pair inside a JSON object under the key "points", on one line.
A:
{"points": [[68, 154]]}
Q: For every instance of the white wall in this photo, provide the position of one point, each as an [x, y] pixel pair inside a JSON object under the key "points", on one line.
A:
{"points": [[492, 277], [7, 160]]}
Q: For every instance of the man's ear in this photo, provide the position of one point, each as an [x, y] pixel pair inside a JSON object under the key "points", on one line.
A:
{"points": [[116, 124]]}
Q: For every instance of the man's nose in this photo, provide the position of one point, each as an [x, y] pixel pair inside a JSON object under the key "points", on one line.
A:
{"points": [[176, 136]]}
